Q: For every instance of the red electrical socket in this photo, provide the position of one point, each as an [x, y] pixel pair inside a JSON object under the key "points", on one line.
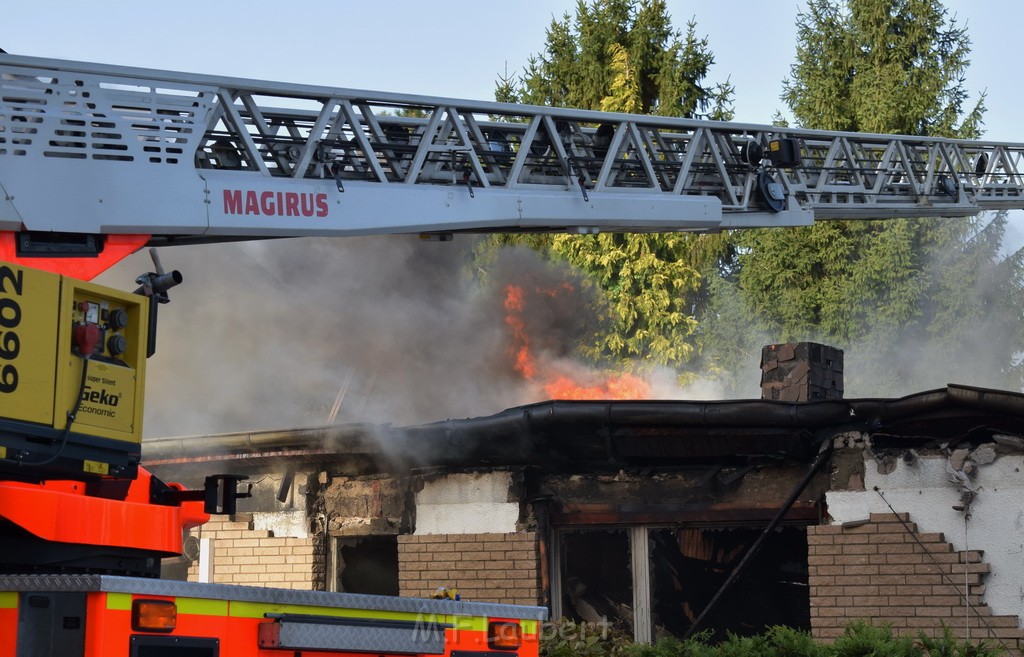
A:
{"points": [[86, 337]]}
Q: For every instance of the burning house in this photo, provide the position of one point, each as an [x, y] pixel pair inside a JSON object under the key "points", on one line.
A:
{"points": [[801, 509]]}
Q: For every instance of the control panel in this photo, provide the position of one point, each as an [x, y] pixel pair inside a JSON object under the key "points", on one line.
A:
{"points": [[106, 348]]}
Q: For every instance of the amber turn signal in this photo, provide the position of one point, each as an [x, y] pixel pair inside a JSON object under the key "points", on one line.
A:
{"points": [[503, 635], [154, 616]]}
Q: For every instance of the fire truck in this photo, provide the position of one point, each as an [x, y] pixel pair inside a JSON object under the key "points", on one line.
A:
{"points": [[99, 161]]}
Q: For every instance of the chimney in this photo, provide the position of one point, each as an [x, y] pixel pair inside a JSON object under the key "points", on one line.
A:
{"points": [[801, 371]]}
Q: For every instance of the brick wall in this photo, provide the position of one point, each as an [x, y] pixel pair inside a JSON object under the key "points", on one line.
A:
{"points": [[878, 572], [242, 555], [483, 567]]}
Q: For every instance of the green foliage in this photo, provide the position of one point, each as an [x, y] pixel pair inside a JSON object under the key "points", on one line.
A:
{"points": [[567, 638], [910, 300], [697, 646], [787, 642], [625, 56], [949, 646], [883, 66], [744, 646], [624, 93], [621, 53], [647, 283], [863, 640]]}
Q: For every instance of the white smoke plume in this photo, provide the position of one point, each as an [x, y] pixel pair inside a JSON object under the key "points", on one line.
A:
{"points": [[289, 333], [308, 332]]}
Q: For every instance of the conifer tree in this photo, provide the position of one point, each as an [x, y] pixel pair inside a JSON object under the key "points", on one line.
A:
{"points": [[915, 302], [625, 56]]}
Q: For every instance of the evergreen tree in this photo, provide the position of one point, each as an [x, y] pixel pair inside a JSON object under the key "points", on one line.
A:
{"points": [[892, 293], [625, 56]]}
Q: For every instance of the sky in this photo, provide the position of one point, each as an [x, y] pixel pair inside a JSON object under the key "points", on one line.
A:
{"points": [[453, 48]]}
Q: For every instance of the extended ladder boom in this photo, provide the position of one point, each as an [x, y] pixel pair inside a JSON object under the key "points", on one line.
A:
{"points": [[91, 148]]}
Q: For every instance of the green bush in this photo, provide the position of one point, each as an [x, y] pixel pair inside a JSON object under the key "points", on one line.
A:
{"points": [[949, 646], [863, 640], [566, 638], [787, 642], [697, 646]]}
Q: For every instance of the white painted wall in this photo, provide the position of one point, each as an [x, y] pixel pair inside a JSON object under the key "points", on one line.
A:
{"points": [[467, 503], [925, 491], [291, 524], [206, 569]]}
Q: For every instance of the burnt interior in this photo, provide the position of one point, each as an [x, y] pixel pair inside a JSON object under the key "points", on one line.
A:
{"points": [[368, 564], [597, 581], [689, 566]]}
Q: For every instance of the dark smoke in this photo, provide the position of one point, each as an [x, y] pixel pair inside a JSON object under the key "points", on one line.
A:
{"points": [[265, 335]]}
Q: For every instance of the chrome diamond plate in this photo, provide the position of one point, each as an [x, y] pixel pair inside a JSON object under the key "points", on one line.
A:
{"points": [[116, 584]]}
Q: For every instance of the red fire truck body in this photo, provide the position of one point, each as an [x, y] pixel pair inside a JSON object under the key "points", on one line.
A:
{"points": [[112, 616]]}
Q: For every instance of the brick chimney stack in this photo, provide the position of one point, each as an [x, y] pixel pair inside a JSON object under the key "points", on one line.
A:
{"points": [[801, 371]]}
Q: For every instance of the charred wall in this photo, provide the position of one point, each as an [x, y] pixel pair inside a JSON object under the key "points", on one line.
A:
{"points": [[692, 527], [370, 505], [709, 494]]}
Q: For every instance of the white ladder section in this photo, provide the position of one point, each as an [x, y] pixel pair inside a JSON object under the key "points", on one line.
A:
{"points": [[92, 148]]}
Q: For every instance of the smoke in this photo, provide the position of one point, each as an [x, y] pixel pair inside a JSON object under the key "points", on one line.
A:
{"points": [[308, 332], [976, 354], [967, 331], [392, 330], [288, 333]]}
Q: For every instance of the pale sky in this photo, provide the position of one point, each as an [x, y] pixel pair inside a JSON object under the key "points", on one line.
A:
{"points": [[453, 48], [457, 48]]}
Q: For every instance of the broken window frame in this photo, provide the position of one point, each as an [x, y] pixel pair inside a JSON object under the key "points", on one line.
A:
{"points": [[334, 565], [640, 567], [638, 560]]}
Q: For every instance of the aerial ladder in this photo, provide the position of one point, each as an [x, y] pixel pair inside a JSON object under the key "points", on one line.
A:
{"points": [[99, 161]]}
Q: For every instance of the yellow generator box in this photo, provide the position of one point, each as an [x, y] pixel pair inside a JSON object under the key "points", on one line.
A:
{"points": [[29, 315], [71, 347]]}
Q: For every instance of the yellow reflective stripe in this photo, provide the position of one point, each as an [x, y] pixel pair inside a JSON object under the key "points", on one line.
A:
{"points": [[119, 601], [259, 609], [200, 607], [470, 623], [529, 626], [8, 600], [197, 606]]}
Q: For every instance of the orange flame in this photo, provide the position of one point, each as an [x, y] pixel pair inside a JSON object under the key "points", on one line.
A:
{"points": [[616, 386], [558, 385], [514, 305]]}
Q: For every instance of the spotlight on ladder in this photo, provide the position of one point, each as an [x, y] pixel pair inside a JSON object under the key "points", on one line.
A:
{"points": [[981, 164], [945, 185], [752, 153], [770, 193]]}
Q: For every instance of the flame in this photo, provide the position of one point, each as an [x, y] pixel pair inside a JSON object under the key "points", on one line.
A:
{"points": [[616, 386], [559, 384], [524, 363]]}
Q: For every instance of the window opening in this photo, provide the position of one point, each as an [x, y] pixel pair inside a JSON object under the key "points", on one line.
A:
{"points": [[368, 564], [689, 565], [597, 582]]}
